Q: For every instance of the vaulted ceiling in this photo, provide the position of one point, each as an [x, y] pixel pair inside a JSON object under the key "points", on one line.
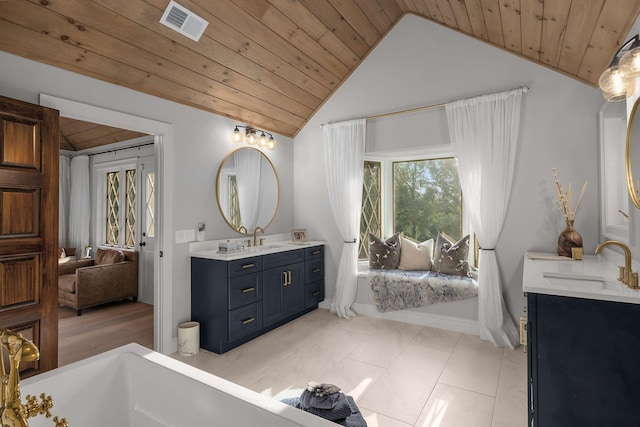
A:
{"points": [[78, 135], [272, 63]]}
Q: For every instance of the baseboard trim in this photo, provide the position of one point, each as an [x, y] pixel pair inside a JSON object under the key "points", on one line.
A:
{"points": [[439, 321]]}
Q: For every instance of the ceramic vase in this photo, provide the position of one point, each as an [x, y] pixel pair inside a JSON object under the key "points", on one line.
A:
{"points": [[569, 238]]}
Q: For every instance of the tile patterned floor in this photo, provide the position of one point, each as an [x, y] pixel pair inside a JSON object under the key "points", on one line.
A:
{"points": [[400, 374]]}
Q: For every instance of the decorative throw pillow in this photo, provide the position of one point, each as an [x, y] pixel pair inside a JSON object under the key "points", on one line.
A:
{"points": [[450, 257], [384, 255], [415, 256], [108, 256]]}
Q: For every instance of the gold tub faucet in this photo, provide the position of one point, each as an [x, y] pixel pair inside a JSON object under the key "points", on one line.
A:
{"points": [[626, 274], [12, 412]]}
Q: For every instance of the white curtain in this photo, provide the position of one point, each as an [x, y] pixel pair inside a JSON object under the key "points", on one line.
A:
{"points": [[79, 203], [344, 160], [248, 171], [484, 135], [63, 204]]}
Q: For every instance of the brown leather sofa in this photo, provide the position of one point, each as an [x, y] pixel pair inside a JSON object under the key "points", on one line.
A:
{"points": [[111, 276]]}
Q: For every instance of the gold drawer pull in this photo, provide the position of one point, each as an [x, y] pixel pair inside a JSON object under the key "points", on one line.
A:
{"points": [[247, 290], [317, 270], [315, 253], [249, 320], [248, 265], [316, 293], [286, 276]]}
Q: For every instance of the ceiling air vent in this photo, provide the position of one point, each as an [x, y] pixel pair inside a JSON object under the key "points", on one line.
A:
{"points": [[183, 21]]}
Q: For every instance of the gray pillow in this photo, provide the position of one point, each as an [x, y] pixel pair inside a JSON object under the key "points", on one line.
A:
{"points": [[384, 255], [450, 257]]}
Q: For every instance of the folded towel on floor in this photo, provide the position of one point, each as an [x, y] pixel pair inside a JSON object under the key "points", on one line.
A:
{"points": [[308, 399], [341, 410], [355, 419]]}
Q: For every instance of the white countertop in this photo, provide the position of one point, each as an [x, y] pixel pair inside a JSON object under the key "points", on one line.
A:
{"points": [[268, 248], [594, 277]]}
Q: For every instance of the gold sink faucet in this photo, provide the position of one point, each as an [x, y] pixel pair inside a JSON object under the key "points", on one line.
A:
{"points": [[255, 236], [12, 412], [626, 274]]}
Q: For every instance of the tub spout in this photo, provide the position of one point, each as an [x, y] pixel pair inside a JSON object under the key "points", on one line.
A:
{"points": [[12, 412]]}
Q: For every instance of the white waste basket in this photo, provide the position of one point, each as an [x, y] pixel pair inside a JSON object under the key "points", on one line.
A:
{"points": [[188, 338]]}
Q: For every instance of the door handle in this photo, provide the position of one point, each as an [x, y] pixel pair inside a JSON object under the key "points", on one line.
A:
{"points": [[143, 243]]}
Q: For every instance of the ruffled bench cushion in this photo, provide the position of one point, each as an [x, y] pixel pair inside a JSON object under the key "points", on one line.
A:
{"points": [[400, 289]]}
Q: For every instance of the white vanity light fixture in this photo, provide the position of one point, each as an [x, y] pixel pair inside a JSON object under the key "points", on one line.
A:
{"points": [[618, 81], [250, 137]]}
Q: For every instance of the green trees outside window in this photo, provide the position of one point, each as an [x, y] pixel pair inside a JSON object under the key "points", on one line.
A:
{"points": [[427, 199]]}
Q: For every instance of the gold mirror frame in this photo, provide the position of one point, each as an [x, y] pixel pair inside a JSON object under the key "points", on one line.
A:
{"points": [[633, 190], [243, 229]]}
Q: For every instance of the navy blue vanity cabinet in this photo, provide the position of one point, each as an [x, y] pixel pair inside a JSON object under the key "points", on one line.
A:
{"points": [[313, 276], [236, 301], [226, 299], [284, 285], [583, 362]]}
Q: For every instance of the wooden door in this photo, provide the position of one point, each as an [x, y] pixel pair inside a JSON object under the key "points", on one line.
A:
{"points": [[29, 150]]}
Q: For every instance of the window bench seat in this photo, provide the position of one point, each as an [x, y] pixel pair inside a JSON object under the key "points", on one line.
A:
{"points": [[399, 289]]}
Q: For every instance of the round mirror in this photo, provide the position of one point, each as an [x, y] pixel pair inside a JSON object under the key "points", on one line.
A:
{"points": [[247, 190], [632, 156]]}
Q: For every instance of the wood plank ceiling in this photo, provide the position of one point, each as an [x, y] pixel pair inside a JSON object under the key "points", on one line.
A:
{"points": [[272, 63], [77, 135]]}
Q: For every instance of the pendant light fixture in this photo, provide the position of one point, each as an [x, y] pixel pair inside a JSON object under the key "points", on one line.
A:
{"points": [[618, 82], [253, 136]]}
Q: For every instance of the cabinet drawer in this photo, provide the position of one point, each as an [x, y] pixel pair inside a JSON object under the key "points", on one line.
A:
{"points": [[314, 252], [245, 320], [313, 294], [245, 290], [242, 266], [282, 258], [313, 270]]}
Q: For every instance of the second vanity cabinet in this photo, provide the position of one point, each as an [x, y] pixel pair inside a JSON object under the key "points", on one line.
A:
{"points": [[235, 301], [583, 344], [583, 362]]}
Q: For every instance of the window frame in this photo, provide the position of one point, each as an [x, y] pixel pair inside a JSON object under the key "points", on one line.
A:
{"points": [[386, 161], [100, 172]]}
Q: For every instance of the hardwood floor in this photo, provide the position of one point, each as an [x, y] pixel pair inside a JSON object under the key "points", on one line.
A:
{"points": [[103, 328]]}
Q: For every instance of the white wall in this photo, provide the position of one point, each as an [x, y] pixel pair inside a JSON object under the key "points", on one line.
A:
{"points": [[418, 63], [200, 141], [421, 63]]}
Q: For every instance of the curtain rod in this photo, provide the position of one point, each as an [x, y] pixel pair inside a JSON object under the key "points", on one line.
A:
{"points": [[424, 108], [113, 150]]}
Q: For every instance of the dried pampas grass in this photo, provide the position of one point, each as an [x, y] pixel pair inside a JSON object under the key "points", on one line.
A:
{"points": [[564, 199]]}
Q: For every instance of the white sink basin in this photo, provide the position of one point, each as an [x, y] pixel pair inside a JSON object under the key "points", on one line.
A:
{"points": [[577, 280], [264, 248]]}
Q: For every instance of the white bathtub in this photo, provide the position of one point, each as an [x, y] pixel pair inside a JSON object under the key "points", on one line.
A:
{"points": [[134, 386]]}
